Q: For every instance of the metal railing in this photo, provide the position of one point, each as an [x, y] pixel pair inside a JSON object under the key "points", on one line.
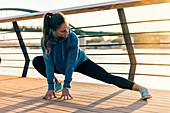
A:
{"points": [[89, 8]]}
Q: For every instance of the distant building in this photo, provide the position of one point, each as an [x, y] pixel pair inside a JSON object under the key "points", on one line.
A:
{"points": [[98, 45]]}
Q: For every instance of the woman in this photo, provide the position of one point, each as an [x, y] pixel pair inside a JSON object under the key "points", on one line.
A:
{"points": [[61, 54]]}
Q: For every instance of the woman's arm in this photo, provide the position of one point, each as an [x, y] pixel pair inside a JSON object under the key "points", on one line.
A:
{"points": [[71, 60], [49, 68], [50, 74]]}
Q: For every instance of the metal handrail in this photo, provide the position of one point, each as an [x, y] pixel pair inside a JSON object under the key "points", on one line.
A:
{"points": [[118, 4]]}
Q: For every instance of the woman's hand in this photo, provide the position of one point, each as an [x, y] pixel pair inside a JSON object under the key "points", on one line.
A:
{"points": [[65, 93], [49, 93]]}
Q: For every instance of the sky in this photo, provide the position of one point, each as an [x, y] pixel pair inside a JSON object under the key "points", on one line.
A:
{"points": [[159, 11], [43, 5]]}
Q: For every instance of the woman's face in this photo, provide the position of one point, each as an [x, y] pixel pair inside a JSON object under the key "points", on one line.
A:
{"points": [[62, 31]]}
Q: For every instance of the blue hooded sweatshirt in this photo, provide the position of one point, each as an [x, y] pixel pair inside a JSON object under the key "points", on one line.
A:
{"points": [[65, 56]]}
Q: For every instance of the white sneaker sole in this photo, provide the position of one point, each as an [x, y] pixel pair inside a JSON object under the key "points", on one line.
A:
{"points": [[147, 97]]}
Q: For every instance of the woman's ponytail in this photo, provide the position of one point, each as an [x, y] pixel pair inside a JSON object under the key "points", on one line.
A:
{"points": [[46, 29]]}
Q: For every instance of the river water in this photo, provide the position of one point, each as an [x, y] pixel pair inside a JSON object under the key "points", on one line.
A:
{"points": [[147, 81]]}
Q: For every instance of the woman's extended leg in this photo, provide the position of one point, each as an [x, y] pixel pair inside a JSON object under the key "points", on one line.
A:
{"points": [[39, 65], [93, 70]]}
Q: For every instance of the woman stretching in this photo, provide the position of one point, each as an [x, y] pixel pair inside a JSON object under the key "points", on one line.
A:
{"points": [[62, 55]]}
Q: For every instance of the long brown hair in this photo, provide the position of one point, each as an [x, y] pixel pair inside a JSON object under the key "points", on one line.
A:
{"points": [[51, 21]]}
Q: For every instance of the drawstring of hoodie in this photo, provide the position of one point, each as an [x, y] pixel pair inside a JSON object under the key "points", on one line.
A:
{"points": [[62, 51]]}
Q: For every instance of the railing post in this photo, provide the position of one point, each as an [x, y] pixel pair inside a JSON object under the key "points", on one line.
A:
{"points": [[128, 43], [22, 45]]}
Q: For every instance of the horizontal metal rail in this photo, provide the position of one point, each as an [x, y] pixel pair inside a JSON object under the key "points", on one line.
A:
{"points": [[14, 60], [17, 53], [99, 54], [135, 64], [7, 32], [134, 22], [135, 54], [96, 63], [97, 45], [19, 39], [12, 67], [108, 63], [156, 75], [119, 34]]}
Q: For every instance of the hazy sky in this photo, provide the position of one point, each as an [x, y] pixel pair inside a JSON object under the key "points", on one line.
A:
{"points": [[159, 11], [44, 5]]}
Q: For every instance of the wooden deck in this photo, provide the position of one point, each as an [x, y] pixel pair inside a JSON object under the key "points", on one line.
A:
{"points": [[24, 95]]}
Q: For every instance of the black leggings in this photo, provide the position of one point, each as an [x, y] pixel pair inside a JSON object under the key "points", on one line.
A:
{"points": [[88, 68]]}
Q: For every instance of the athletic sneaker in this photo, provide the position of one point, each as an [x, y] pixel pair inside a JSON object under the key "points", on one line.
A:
{"points": [[145, 93], [58, 87]]}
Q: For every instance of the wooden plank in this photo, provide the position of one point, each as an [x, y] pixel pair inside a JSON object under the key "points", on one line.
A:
{"points": [[116, 4], [25, 95]]}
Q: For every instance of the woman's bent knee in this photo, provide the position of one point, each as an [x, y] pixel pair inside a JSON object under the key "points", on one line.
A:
{"points": [[37, 60]]}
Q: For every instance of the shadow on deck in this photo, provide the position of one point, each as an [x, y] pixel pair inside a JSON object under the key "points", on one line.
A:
{"points": [[24, 95]]}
